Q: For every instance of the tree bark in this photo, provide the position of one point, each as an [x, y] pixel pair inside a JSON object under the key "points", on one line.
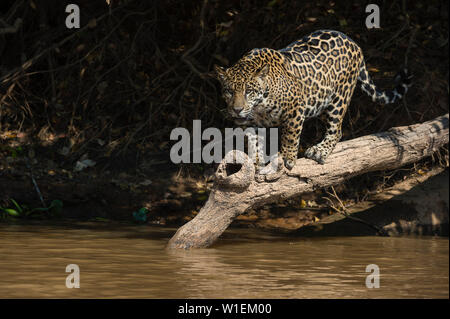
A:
{"points": [[234, 193]]}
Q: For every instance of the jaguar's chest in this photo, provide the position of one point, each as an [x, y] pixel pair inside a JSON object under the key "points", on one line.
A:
{"points": [[265, 121], [268, 114], [315, 107], [271, 114]]}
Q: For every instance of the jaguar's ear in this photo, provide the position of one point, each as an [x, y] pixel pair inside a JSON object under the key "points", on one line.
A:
{"points": [[262, 72], [219, 72]]}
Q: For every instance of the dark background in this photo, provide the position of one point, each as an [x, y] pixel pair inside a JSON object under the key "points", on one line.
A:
{"points": [[113, 90]]}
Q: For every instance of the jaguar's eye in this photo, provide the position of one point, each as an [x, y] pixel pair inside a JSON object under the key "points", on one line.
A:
{"points": [[227, 92], [249, 92]]}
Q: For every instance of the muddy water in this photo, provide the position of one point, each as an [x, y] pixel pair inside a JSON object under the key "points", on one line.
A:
{"points": [[131, 262]]}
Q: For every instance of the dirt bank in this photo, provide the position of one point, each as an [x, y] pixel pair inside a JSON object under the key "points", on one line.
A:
{"points": [[417, 206]]}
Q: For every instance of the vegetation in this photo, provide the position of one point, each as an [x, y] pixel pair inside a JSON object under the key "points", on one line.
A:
{"points": [[23, 211]]}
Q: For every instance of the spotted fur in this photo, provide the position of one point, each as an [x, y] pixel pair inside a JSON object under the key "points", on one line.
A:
{"points": [[310, 76]]}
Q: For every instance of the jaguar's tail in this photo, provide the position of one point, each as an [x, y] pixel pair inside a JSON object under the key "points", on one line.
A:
{"points": [[402, 81]]}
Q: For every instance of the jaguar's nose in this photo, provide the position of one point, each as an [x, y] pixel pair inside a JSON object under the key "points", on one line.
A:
{"points": [[237, 109]]}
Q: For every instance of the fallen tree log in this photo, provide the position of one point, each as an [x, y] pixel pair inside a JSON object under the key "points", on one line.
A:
{"points": [[236, 190]]}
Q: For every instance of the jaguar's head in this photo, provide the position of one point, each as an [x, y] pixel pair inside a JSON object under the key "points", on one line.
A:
{"points": [[244, 87]]}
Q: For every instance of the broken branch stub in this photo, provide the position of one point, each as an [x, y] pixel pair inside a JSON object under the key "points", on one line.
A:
{"points": [[235, 189], [236, 171]]}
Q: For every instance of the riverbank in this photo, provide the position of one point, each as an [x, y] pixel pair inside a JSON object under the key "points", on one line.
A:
{"points": [[413, 200]]}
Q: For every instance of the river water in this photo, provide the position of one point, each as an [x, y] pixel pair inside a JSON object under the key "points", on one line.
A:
{"points": [[119, 261]]}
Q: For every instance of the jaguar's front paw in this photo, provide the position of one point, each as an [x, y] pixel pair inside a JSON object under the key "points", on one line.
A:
{"points": [[289, 164], [317, 153], [270, 173]]}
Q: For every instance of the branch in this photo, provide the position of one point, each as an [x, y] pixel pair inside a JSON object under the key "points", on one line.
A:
{"points": [[10, 29], [185, 56], [234, 192]]}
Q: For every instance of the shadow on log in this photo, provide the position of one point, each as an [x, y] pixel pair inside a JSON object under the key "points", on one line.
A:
{"points": [[235, 189]]}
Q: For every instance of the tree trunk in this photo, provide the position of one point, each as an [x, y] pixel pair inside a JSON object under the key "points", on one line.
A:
{"points": [[234, 193]]}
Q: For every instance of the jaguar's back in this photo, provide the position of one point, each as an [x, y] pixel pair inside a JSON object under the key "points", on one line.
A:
{"points": [[328, 63]]}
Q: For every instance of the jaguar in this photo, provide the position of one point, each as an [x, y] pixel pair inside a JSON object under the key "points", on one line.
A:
{"points": [[282, 88]]}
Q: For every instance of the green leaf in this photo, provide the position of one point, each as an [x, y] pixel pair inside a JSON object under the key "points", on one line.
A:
{"points": [[143, 210], [11, 212], [19, 209], [141, 215], [56, 206]]}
